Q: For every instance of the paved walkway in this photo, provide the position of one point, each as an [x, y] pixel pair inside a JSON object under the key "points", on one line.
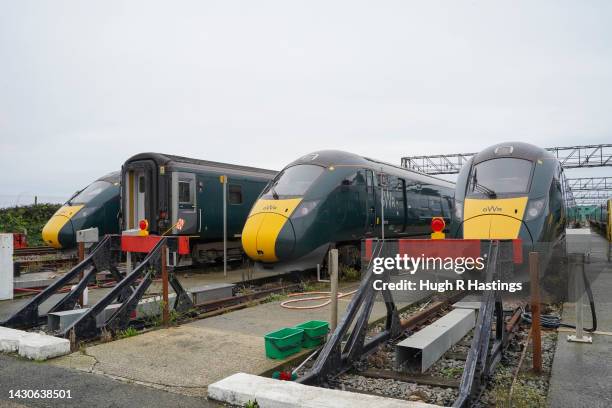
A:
{"points": [[582, 373], [189, 280], [187, 358], [86, 390]]}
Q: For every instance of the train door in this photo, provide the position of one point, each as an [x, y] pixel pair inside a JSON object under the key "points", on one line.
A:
{"points": [[184, 204], [140, 195], [136, 200], [371, 203], [401, 207]]}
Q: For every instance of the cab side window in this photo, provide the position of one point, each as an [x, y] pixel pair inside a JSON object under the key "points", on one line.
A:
{"points": [[184, 192], [235, 194]]}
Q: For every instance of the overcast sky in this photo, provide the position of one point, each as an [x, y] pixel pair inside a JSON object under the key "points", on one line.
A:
{"points": [[84, 85]]}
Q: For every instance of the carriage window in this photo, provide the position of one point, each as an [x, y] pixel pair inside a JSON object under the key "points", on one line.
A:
{"points": [[141, 184], [235, 194], [383, 180], [184, 192], [370, 181]]}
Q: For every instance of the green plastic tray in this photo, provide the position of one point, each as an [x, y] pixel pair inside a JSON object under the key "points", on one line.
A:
{"points": [[284, 342], [315, 332]]}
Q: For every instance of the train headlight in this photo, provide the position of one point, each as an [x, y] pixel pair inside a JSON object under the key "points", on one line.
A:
{"points": [[305, 208], [458, 210], [535, 209]]}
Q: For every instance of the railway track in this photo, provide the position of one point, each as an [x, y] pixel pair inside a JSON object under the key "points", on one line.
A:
{"points": [[377, 374], [42, 258], [37, 250]]}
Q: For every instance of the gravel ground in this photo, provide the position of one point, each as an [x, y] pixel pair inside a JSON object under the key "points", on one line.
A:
{"points": [[530, 390]]}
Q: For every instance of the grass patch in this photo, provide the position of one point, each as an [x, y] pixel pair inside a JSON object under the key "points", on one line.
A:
{"points": [[30, 219], [274, 297], [129, 332], [349, 274], [313, 286], [524, 394], [452, 372]]}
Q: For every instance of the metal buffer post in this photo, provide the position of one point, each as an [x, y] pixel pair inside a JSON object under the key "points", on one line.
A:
{"points": [[382, 205], [536, 333], [333, 276], [485, 352], [348, 342], [576, 264], [85, 237], [223, 180], [81, 254], [164, 273]]}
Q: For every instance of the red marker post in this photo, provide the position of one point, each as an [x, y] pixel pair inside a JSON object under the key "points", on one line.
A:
{"points": [[437, 226]]}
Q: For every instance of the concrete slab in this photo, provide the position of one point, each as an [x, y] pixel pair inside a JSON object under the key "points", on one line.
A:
{"points": [[580, 240], [42, 347], [9, 339], [241, 388]]}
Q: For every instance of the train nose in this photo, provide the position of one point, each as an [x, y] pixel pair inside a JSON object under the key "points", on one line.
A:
{"points": [[58, 232], [268, 237], [493, 219]]}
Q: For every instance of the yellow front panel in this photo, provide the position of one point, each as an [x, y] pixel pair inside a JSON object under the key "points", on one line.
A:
{"points": [[281, 207], [493, 218], [50, 232], [265, 222], [249, 234], [609, 221], [266, 238]]}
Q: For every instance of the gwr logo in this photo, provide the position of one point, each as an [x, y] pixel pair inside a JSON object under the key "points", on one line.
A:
{"points": [[492, 209]]}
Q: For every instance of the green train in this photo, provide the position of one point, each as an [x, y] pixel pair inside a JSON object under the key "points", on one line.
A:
{"points": [[334, 198], [601, 219], [509, 191], [164, 189], [97, 205]]}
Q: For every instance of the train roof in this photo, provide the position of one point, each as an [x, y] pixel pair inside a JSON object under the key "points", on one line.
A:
{"points": [[518, 150], [113, 177], [341, 158], [162, 159]]}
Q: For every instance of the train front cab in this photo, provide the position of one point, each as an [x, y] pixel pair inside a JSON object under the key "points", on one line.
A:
{"points": [[269, 232], [159, 195], [96, 205], [510, 197]]}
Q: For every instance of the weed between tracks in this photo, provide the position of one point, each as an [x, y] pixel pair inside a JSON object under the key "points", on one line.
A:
{"points": [[129, 332]]}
